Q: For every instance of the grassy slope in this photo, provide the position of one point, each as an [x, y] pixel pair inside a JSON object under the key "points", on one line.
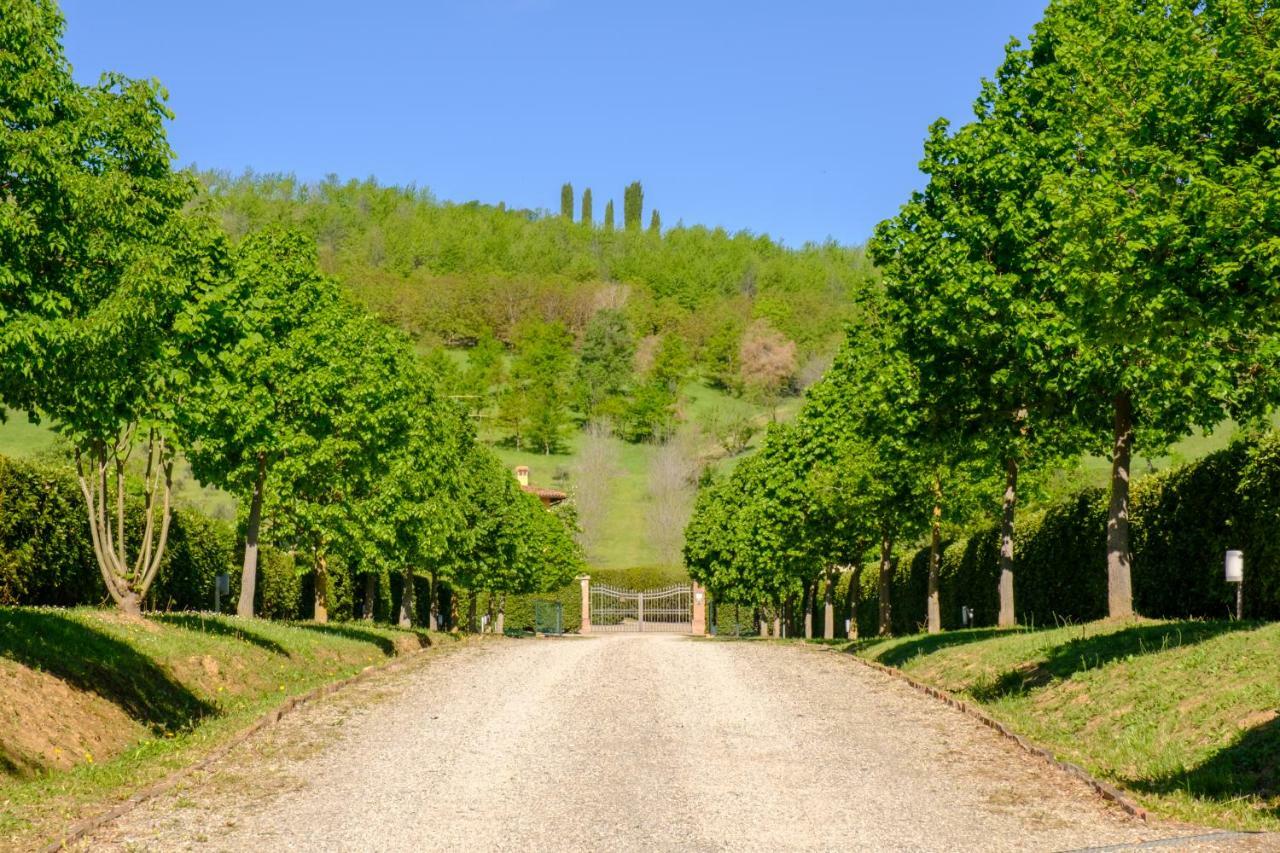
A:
{"points": [[1183, 714], [96, 705], [625, 541]]}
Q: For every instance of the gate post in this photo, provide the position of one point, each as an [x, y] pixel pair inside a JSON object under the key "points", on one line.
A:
{"points": [[586, 604], [699, 618]]}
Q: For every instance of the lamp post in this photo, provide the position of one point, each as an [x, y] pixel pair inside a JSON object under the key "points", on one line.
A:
{"points": [[1234, 568]]}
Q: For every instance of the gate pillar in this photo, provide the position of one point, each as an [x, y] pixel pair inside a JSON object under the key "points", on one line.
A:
{"points": [[699, 615], [586, 604]]}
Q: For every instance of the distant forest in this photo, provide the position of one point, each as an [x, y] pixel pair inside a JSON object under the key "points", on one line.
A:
{"points": [[455, 274]]}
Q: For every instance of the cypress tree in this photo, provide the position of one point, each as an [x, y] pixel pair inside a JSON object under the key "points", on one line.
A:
{"points": [[608, 216], [655, 222], [632, 206], [566, 201], [586, 206]]}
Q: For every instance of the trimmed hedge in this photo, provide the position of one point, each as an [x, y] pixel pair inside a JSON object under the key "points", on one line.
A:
{"points": [[1182, 522], [46, 557]]}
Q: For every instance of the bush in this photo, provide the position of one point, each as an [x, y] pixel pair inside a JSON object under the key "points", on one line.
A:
{"points": [[278, 593], [1183, 520], [46, 555]]}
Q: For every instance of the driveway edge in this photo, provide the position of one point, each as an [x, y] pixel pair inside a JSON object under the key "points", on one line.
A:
{"points": [[1103, 789], [80, 829]]}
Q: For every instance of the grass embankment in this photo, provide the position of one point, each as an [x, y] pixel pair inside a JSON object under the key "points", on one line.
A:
{"points": [[1181, 714], [94, 705]]}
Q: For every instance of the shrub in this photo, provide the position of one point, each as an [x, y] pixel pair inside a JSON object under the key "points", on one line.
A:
{"points": [[1183, 520]]}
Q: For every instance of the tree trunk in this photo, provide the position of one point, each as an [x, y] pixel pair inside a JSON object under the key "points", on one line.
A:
{"points": [[764, 623], [1008, 616], [131, 604], [433, 621], [370, 596], [407, 602], [777, 624], [500, 626], [321, 572], [886, 586], [453, 610], [852, 597], [1119, 581], [829, 608], [472, 617], [808, 609], [933, 617], [249, 572]]}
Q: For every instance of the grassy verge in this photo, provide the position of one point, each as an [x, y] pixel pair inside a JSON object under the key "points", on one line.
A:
{"points": [[1182, 714], [96, 705]]}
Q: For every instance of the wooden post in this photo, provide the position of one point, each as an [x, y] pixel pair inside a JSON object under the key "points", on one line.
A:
{"points": [[586, 604], [699, 626]]}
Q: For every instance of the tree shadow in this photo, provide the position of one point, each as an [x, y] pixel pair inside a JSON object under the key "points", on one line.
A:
{"points": [[1248, 768], [385, 644], [925, 644], [1085, 653], [98, 663], [223, 627]]}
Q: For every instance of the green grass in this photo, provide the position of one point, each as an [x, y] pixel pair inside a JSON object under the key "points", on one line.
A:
{"points": [[162, 691], [1182, 714], [22, 439]]}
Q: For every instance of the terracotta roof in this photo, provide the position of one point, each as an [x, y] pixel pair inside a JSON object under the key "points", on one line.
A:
{"points": [[545, 494]]}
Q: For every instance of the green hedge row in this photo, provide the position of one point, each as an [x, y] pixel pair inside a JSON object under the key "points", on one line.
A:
{"points": [[46, 557], [1183, 520]]}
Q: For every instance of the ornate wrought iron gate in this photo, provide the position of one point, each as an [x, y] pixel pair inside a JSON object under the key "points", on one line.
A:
{"points": [[666, 609]]}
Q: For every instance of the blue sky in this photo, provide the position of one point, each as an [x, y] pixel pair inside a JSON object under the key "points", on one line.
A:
{"points": [[798, 119]]}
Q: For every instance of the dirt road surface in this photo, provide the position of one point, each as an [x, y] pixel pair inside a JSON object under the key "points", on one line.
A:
{"points": [[635, 742]]}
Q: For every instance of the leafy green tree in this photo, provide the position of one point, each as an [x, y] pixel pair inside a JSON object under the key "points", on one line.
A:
{"points": [[242, 414], [566, 201], [632, 206], [100, 273], [605, 363], [484, 373], [1154, 273], [960, 276], [655, 222], [353, 398], [587, 218], [416, 509], [540, 382], [507, 543], [608, 215]]}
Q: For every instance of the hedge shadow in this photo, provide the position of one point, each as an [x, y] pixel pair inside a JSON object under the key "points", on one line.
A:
{"points": [[385, 644], [202, 624], [1064, 661], [1249, 767], [926, 644], [98, 663]]}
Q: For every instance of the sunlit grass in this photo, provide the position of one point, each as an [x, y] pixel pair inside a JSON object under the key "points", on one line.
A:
{"points": [[1183, 714]]}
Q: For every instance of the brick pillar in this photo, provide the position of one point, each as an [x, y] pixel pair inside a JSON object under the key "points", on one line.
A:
{"points": [[586, 604], [699, 627]]}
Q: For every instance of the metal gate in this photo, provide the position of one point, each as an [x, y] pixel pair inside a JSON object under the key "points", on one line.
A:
{"points": [[666, 609]]}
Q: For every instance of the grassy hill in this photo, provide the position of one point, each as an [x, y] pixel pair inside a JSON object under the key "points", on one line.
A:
{"points": [[98, 704], [1182, 714]]}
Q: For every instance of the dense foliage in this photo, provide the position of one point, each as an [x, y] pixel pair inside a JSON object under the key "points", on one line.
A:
{"points": [[135, 324], [1091, 265]]}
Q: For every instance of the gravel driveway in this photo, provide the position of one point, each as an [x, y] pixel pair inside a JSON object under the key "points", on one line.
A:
{"points": [[630, 743]]}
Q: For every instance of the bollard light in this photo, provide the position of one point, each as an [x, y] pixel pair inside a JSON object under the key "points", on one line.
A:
{"points": [[1235, 566], [1234, 570]]}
